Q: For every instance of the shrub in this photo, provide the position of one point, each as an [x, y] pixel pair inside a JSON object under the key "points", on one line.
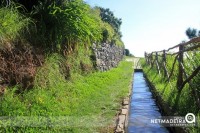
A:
{"points": [[65, 25], [12, 24]]}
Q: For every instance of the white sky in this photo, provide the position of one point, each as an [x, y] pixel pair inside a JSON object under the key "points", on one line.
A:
{"points": [[151, 25]]}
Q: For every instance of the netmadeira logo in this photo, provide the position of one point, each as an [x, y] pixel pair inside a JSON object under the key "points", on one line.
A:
{"points": [[190, 118], [176, 121]]}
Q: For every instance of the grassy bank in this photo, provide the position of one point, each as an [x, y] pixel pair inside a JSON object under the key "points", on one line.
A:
{"points": [[180, 103], [80, 104], [52, 93]]}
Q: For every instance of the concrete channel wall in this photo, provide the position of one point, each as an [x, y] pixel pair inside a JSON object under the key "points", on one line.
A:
{"points": [[122, 121]]}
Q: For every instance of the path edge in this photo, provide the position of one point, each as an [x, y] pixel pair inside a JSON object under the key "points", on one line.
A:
{"points": [[123, 115]]}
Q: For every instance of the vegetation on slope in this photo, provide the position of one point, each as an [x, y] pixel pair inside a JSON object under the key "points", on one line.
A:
{"points": [[67, 27], [46, 70], [93, 99], [12, 25], [58, 25]]}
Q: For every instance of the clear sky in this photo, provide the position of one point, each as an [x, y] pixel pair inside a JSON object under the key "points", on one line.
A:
{"points": [[151, 25]]}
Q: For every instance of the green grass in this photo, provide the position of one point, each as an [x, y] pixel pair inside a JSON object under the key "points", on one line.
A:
{"points": [[12, 24], [88, 103], [180, 103]]}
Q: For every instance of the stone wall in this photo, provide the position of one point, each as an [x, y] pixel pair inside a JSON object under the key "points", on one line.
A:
{"points": [[107, 55]]}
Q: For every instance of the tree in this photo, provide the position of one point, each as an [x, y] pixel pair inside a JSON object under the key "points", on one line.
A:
{"points": [[108, 16], [127, 52], [191, 33]]}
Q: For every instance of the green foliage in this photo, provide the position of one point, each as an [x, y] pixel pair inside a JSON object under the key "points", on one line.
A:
{"points": [[12, 23], [50, 72], [191, 33], [127, 52], [106, 30], [80, 62], [117, 40], [61, 25], [75, 101], [108, 16], [67, 25]]}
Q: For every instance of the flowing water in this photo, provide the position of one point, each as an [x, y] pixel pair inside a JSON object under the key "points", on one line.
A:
{"points": [[143, 108]]}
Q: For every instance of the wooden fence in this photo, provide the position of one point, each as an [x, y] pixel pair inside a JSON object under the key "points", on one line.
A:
{"points": [[158, 59]]}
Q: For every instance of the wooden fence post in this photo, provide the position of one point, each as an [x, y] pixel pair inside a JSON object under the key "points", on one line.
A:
{"points": [[151, 59], [164, 63], [146, 57], [180, 68], [156, 58]]}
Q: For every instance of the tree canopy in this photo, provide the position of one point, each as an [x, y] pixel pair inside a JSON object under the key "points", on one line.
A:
{"points": [[191, 33], [108, 16]]}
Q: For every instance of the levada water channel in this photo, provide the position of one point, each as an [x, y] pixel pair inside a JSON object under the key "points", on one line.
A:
{"points": [[143, 108]]}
